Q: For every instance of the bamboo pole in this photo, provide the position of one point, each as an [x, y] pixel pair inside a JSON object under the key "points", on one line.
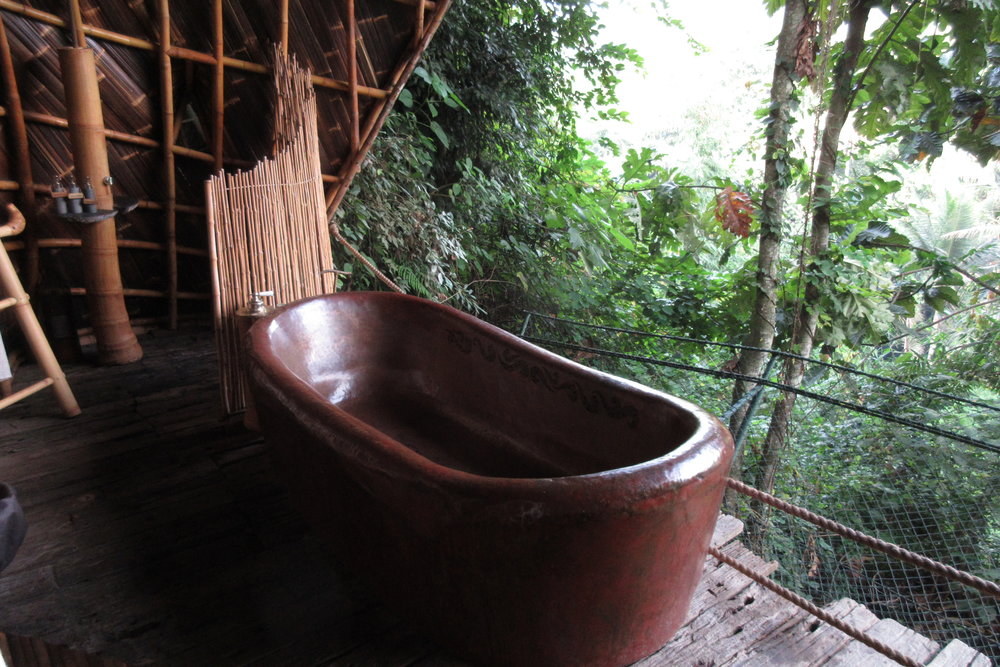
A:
{"points": [[22, 157], [124, 137], [169, 173], [122, 243], [13, 186], [418, 30], [116, 342], [352, 75], [146, 293], [218, 87], [284, 28], [32, 330], [380, 110], [178, 52], [76, 24]]}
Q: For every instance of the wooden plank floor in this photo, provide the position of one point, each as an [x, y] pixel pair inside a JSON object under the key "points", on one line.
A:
{"points": [[158, 535]]}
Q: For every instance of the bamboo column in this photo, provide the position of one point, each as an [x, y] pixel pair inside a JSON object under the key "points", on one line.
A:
{"points": [[418, 30], [169, 173], [76, 24], [284, 28], [380, 110], [22, 157], [116, 342], [352, 75], [218, 87], [17, 299]]}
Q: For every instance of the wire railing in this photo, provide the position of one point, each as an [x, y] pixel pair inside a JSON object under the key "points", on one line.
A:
{"points": [[909, 465]]}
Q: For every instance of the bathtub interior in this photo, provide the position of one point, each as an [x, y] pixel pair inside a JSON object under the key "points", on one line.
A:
{"points": [[468, 396]]}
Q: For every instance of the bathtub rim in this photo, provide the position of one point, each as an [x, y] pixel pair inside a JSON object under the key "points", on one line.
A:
{"points": [[695, 458]]}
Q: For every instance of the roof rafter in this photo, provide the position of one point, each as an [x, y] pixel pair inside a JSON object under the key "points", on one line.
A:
{"points": [[181, 52]]}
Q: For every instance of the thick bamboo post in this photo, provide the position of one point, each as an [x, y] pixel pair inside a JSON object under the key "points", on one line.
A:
{"points": [[116, 343], [17, 299], [22, 156], [169, 174], [218, 91]]}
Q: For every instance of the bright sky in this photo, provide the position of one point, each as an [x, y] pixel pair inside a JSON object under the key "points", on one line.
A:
{"points": [[676, 77], [678, 81]]}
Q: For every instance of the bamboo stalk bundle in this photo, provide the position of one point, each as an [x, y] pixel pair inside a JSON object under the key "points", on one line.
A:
{"points": [[267, 225]]}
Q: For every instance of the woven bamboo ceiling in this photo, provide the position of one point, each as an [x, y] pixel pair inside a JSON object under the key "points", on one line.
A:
{"points": [[185, 89]]}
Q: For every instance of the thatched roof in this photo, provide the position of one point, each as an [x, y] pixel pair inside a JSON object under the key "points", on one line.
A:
{"points": [[125, 35]]}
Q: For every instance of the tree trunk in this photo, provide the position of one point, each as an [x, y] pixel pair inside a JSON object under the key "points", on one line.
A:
{"points": [[762, 322], [804, 332]]}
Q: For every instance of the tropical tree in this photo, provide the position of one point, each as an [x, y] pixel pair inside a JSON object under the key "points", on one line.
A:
{"points": [[899, 84]]}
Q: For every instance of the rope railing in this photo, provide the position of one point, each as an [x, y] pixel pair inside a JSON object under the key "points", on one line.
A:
{"points": [[816, 611], [780, 353], [887, 416], [985, 587]]}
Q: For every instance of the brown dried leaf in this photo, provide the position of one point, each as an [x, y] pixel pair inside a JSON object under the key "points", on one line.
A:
{"points": [[806, 49], [734, 210], [978, 117]]}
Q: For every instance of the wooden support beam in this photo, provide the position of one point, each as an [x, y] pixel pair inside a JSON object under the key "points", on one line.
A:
{"points": [[143, 203], [179, 52], [22, 155], [218, 87], [148, 293], [132, 244], [76, 24], [352, 75], [418, 30], [284, 28], [169, 173], [136, 140], [380, 110]]}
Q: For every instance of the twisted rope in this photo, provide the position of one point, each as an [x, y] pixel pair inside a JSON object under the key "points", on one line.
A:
{"points": [[818, 612], [887, 416], [781, 353], [335, 229], [985, 587]]}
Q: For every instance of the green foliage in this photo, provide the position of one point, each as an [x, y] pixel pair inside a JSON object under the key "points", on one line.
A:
{"points": [[479, 192], [936, 80]]}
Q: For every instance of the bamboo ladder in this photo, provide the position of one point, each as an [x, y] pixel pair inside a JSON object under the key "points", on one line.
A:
{"points": [[17, 299]]}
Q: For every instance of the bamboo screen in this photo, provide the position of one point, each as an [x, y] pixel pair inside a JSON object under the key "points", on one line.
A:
{"points": [[267, 225]]}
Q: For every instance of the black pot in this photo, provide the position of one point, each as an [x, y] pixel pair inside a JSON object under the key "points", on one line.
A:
{"points": [[12, 525]]}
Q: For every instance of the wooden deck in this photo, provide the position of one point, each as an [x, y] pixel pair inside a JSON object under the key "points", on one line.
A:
{"points": [[158, 535]]}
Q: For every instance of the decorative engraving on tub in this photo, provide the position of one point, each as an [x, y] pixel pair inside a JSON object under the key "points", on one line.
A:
{"points": [[592, 400]]}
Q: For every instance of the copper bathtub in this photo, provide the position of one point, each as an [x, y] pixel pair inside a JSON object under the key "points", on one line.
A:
{"points": [[515, 506]]}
